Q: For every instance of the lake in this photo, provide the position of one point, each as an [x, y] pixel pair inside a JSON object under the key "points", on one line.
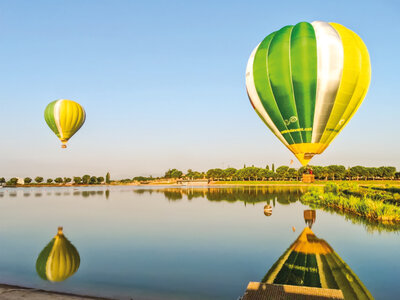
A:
{"points": [[179, 243]]}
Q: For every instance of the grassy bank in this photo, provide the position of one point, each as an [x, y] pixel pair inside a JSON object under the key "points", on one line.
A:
{"points": [[382, 205], [376, 183]]}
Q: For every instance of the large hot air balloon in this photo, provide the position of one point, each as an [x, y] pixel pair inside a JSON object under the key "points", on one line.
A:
{"points": [[65, 118], [58, 260], [306, 82]]}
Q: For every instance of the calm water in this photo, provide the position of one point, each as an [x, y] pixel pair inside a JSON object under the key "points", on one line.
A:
{"points": [[166, 243]]}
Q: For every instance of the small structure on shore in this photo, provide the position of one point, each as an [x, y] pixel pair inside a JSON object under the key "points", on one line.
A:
{"points": [[192, 181], [308, 177]]}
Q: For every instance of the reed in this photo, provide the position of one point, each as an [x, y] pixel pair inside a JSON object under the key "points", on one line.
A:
{"points": [[377, 205]]}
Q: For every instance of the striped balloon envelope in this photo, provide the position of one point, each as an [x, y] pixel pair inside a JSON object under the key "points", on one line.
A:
{"points": [[65, 118], [306, 82], [58, 260], [312, 262]]}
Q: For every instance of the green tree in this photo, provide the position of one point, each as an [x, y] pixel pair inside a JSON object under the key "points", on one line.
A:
{"points": [[389, 172], [2, 180], [358, 172], [173, 173], [264, 174], [12, 181], [100, 179], [93, 180], [49, 180], [229, 173], [108, 177], [27, 180], [58, 180], [39, 179], [77, 180], [273, 167], [292, 173], [67, 180], [282, 172], [85, 179]]}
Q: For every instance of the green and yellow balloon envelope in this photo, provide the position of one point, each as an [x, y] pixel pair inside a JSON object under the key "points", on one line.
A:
{"points": [[306, 82], [65, 118], [58, 260]]}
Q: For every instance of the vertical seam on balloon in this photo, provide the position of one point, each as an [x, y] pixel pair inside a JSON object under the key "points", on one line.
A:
{"points": [[250, 83], [273, 94], [50, 261], [57, 118], [316, 84], [291, 81], [337, 91], [75, 108], [80, 120], [332, 135], [321, 132]]}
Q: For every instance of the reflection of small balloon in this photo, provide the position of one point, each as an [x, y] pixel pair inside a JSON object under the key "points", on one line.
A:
{"points": [[58, 260], [65, 118], [306, 82], [267, 210]]}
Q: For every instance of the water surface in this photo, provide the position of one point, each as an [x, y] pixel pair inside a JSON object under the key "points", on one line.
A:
{"points": [[171, 243]]}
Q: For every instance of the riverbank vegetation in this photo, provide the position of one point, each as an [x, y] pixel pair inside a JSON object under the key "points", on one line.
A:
{"points": [[376, 204], [245, 175], [39, 181], [255, 175]]}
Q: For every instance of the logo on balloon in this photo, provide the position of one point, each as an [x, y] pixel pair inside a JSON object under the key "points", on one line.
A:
{"points": [[292, 119]]}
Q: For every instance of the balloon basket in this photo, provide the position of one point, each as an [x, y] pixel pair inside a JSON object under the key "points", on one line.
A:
{"points": [[308, 178]]}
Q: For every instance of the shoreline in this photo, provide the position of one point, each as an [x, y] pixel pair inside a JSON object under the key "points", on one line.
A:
{"points": [[15, 292], [318, 183]]}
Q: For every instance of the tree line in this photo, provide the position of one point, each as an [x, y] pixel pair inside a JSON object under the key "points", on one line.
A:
{"points": [[85, 179], [332, 172]]}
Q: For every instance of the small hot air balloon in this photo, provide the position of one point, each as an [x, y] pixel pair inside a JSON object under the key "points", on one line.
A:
{"points": [[65, 118], [58, 260], [306, 82]]}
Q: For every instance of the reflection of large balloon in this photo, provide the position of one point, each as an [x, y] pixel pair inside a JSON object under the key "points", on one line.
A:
{"points": [[306, 82], [312, 262], [58, 260], [65, 118]]}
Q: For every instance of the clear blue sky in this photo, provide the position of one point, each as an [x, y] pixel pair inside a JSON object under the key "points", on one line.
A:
{"points": [[163, 84]]}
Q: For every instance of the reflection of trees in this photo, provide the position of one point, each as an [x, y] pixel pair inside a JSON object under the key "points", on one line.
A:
{"points": [[369, 225], [283, 195], [173, 195]]}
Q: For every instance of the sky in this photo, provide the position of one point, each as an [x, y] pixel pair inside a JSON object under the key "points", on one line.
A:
{"points": [[163, 85]]}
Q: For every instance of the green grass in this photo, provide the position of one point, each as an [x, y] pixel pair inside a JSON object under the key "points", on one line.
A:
{"points": [[376, 205], [375, 183]]}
